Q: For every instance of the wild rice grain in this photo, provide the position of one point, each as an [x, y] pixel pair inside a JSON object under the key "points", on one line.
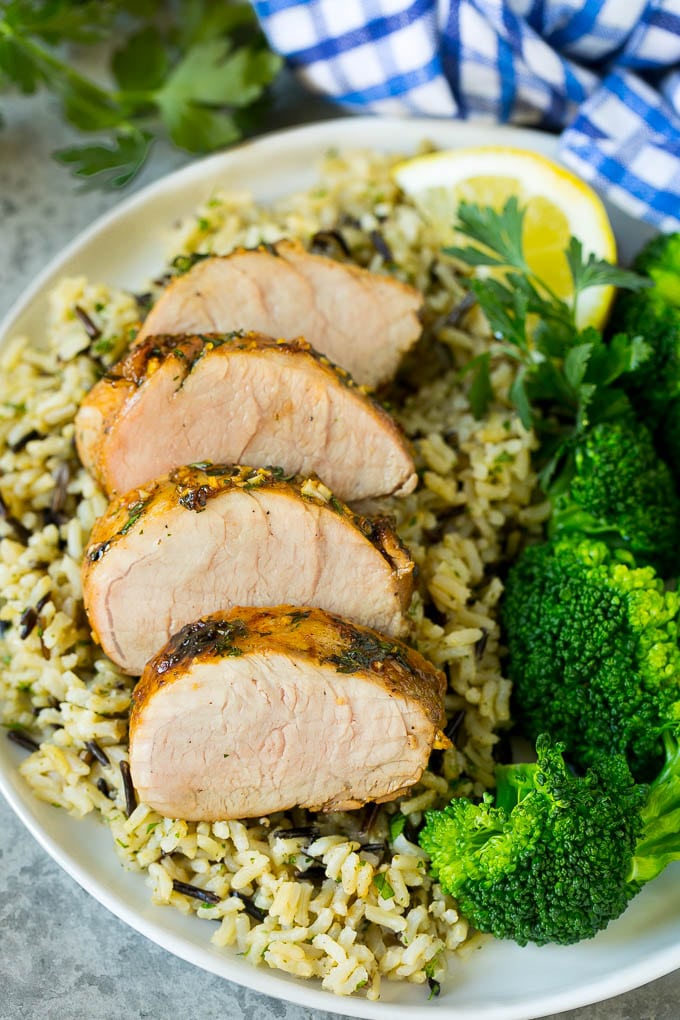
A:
{"points": [[22, 739], [193, 890], [373, 848], [27, 622], [327, 241], [19, 444], [309, 832], [103, 787], [61, 480], [100, 754], [92, 330], [314, 873], [381, 246], [461, 309], [250, 908], [480, 646], [371, 812], [128, 788]]}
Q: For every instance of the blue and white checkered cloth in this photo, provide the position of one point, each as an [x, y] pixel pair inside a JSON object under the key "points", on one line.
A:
{"points": [[604, 72]]}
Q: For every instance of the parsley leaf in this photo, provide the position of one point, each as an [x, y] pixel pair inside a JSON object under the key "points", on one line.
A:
{"points": [[498, 235], [429, 969], [196, 70], [505, 308], [520, 398], [213, 73], [385, 890], [498, 242], [86, 106], [199, 129], [576, 362], [141, 64], [594, 272], [19, 66], [566, 377], [112, 167], [209, 77], [55, 21], [203, 19], [480, 393]]}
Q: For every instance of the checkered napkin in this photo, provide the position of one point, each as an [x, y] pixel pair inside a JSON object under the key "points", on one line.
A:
{"points": [[604, 72]]}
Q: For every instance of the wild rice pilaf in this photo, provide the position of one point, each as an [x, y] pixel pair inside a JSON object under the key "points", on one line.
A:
{"points": [[343, 897]]}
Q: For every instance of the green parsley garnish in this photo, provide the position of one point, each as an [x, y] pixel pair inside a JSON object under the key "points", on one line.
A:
{"points": [[385, 890], [103, 346], [135, 511], [566, 376], [188, 71]]}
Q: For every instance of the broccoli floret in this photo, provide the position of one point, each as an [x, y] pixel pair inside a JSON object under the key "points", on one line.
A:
{"points": [[667, 437], [617, 488], [593, 652], [660, 259], [557, 856], [654, 314]]}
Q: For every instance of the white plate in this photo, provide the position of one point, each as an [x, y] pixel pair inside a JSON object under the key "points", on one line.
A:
{"points": [[502, 981]]}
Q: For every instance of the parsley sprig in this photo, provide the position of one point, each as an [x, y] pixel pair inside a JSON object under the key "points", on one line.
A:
{"points": [[566, 376], [194, 70]]}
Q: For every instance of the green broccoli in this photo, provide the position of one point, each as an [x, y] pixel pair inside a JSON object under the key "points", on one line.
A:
{"points": [[617, 488], [654, 314], [557, 856], [667, 437], [593, 651]]}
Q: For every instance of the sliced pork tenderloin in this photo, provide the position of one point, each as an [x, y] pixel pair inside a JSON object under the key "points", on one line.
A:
{"points": [[212, 537], [239, 399], [361, 320], [257, 710]]}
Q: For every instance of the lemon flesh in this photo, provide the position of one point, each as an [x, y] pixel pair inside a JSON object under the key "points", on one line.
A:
{"points": [[557, 205]]}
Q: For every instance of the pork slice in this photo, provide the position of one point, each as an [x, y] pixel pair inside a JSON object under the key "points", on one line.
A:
{"points": [[202, 539], [257, 710], [363, 321], [239, 399]]}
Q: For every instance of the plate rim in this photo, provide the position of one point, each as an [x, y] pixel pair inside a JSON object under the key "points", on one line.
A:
{"points": [[19, 795]]}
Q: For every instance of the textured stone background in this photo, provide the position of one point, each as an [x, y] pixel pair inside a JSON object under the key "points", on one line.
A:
{"points": [[62, 955]]}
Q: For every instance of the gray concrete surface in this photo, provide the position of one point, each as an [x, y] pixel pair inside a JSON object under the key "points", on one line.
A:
{"points": [[62, 955]]}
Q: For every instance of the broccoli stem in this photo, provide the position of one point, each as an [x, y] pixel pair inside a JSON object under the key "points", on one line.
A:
{"points": [[513, 783], [659, 842]]}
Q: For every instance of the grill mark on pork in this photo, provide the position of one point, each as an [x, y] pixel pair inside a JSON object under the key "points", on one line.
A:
{"points": [[193, 541], [364, 321], [245, 698], [239, 398]]}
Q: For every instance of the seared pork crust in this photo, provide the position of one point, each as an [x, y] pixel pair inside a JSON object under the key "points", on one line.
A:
{"points": [[364, 321], [239, 397], [264, 689], [211, 536]]}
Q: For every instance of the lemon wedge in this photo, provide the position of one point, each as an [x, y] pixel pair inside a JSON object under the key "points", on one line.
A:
{"points": [[558, 204]]}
